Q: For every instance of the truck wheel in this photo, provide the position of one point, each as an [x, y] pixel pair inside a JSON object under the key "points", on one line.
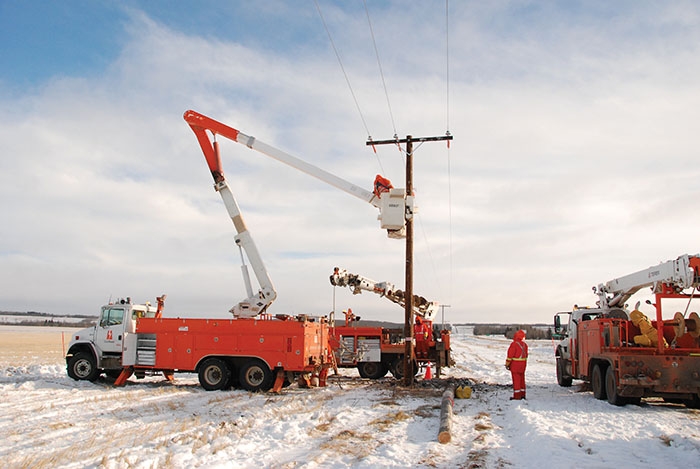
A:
{"points": [[562, 378], [693, 403], [611, 388], [396, 367], [255, 375], [598, 383], [82, 365], [214, 374], [371, 370]]}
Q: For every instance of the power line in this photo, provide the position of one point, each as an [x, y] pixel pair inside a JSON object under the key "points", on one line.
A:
{"points": [[337, 55], [347, 80], [449, 169], [381, 72]]}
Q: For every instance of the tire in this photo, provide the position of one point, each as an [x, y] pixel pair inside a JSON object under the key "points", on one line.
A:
{"points": [[396, 367], [693, 403], [598, 383], [611, 388], [214, 374], [371, 370], [83, 366], [255, 375], [562, 378]]}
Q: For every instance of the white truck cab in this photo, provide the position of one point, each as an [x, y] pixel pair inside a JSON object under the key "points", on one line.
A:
{"points": [[101, 348]]}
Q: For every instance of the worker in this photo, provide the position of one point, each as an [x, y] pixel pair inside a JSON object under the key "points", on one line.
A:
{"points": [[422, 333], [516, 362]]}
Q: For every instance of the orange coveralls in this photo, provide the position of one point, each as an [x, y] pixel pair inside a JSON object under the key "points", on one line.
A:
{"points": [[516, 363]]}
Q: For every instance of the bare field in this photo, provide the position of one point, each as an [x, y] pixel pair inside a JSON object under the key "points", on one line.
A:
{"points": [[32, 345]]}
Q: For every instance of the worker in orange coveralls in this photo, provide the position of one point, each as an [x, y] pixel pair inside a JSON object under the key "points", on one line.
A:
{"points": [[516, 363]]}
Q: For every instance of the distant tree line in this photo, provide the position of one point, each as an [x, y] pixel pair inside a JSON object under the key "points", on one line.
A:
{"points": [[47, 319], [50, 323], [508, 330]]}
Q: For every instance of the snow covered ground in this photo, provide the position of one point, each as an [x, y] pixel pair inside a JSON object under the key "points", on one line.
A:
{"points": [[49, 420]]}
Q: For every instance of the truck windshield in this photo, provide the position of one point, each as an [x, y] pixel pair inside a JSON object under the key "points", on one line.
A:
{"points": [[111, 317]]}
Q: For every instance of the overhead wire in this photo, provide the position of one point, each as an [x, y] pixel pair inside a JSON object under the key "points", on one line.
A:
{"points": [[393, 122], [447, 132], [381, 71], [347, 79], [449, 173]]}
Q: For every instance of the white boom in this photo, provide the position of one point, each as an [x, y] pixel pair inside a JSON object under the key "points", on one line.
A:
{"points": [[393, 203], [678, 272]]}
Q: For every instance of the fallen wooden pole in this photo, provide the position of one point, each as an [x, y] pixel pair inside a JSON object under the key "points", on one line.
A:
{"points": [[448, 400]]}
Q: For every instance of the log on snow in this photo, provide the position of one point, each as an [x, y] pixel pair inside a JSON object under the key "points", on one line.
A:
{"points": [[448, 400]]}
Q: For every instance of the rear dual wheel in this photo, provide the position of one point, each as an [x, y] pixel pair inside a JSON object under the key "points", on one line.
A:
{"points": [[214, 374], [611, 388], [255, 375], [371, 370], [396, 367], [598, 382]]}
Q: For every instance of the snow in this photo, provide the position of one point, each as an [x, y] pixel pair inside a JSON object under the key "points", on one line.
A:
{"points": [[49, 420]]}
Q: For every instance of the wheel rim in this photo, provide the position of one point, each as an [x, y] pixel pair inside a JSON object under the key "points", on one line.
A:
{"points": [[213, 375], [83, 368], [254, 375]]}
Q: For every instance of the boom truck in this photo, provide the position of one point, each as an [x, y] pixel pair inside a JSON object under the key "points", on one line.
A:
{"points": [[377, 350], [255, 354], [623, 354], [254, 350]]}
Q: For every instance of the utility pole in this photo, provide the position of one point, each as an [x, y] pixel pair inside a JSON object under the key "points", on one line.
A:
{"points": [[409, 355]]}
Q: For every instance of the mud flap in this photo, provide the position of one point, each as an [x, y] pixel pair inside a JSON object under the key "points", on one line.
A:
{"points": [[169, 374]]}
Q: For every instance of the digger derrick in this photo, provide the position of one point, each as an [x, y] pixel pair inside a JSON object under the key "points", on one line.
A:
{"points": [[626, 355], [357, 283], [378, 350]]}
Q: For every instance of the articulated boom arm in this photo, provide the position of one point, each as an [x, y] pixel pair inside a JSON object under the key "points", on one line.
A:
{"points": [[680, 274], [421, 307], [394, 205], [255, 303]]}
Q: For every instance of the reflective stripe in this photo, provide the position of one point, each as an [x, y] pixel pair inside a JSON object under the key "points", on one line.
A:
{"points": [[518, 359]]}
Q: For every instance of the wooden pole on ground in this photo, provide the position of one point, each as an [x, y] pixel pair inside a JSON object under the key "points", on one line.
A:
{"points": [[448, 400]]}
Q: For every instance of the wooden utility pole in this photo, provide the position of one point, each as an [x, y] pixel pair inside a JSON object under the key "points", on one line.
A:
{"points": [[409, 356]]}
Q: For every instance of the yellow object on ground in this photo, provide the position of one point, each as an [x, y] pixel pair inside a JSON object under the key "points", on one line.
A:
{"points": [[463, 392]]}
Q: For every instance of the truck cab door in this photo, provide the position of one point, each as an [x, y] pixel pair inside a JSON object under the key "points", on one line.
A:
{"points": [[110, 330]]}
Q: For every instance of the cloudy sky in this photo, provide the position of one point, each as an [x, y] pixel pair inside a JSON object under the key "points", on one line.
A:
{"points": [[573, 162]]}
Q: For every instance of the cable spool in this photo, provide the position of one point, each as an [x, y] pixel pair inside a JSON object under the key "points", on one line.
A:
{"points": [[679, 324], [693, 325]]}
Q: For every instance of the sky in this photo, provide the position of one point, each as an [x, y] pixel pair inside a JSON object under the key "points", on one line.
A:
{"points": [[574, 124]]}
